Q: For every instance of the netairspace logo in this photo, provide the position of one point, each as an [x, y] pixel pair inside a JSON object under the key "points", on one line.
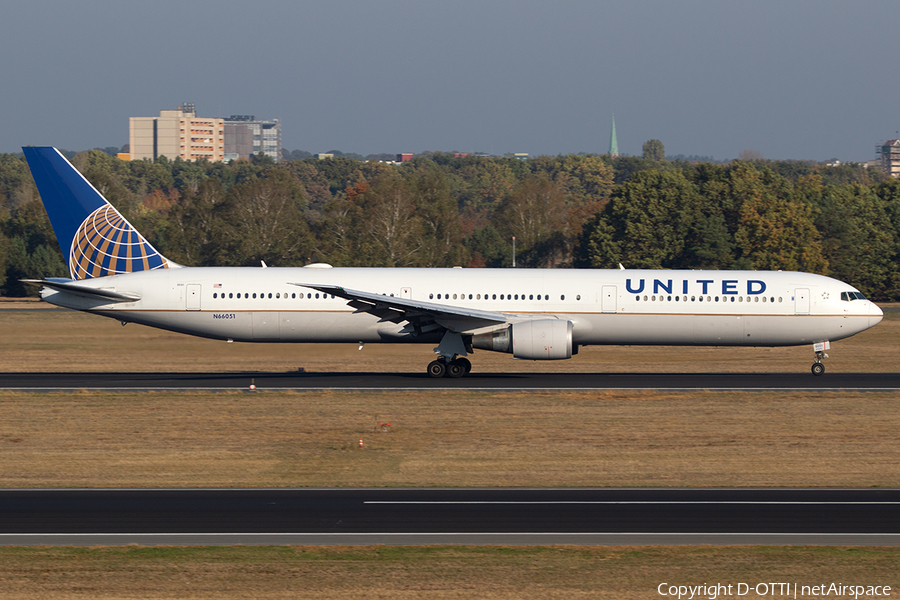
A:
{"points": [[772, 590]]}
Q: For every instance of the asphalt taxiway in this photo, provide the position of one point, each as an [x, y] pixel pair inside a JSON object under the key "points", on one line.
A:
{"points": [[597, 516], [38, 382]]}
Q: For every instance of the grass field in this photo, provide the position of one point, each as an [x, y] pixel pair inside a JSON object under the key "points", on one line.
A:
{"points": [[448, 439], [427, 572], [602, 438], [52, 339]]}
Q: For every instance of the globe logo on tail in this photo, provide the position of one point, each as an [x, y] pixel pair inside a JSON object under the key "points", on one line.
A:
{"points": [[107, 244]]}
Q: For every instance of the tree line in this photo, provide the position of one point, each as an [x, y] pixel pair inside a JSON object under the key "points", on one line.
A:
{"points": [[441, 210]]}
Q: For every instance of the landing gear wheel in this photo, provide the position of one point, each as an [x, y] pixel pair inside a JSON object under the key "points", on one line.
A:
{"points": [[818, 369], [465, 363], [437, 369], [456, 369]]}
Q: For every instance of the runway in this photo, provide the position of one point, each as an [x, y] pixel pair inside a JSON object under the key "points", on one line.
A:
{"points": [[602, 516], [46, 382]]}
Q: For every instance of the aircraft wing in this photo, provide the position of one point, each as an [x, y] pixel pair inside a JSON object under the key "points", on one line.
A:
{"points": [[421, 317], [73, 287]]}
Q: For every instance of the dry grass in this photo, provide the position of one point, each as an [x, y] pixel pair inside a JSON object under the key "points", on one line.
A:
{"points": [[448, 439], [54, 339], [440, 439], [429, 572]]}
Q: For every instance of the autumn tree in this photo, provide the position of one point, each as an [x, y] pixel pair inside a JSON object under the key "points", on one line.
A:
{"points": [[654, 150], [535, 212], [198, 225], [645, 225], [390, 226], [267, 221], [775, 229], [858, 238]]}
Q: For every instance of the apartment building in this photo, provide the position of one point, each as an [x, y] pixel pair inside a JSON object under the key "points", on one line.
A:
{"points": [[177, 133]]}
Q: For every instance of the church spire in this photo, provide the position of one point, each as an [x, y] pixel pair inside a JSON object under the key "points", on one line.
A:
{"points": [[613, 143]]}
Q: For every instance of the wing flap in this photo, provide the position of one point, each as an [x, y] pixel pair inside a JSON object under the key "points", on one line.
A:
{"points": [[421, 316]]}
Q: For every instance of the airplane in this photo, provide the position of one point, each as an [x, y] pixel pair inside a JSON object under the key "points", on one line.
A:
{"points": [[532, 314]]}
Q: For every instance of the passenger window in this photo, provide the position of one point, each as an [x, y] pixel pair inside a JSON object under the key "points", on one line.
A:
{"points": [[495, 297], [230, 294], [578, 297], [645, 298], [562, 297]]}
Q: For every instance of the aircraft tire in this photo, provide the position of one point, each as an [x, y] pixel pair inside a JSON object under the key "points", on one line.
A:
{"points": [[818, 369], [465, 363], [456, 369], [437, 369]]}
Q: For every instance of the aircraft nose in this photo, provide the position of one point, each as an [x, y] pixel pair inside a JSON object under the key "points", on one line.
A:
{"points": [[875, 314]]}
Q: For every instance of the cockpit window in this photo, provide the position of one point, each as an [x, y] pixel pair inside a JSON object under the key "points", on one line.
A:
{"points": [[849, 296]]}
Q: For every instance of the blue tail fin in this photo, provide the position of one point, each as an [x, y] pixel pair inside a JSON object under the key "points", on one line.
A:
{"points": [[94, 238]]}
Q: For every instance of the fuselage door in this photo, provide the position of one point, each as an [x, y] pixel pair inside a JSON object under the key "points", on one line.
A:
{"points": [[406, 292], [801, 301], [608, 299], [192, 296]]}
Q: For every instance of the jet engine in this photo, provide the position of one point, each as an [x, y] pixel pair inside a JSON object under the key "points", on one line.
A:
{"points": [[540, 339]]}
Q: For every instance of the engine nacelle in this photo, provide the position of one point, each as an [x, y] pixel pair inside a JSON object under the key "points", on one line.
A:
{"points": [[542, 339]]}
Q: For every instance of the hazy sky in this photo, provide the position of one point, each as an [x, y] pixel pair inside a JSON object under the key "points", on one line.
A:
{"points": [[809, 79]]}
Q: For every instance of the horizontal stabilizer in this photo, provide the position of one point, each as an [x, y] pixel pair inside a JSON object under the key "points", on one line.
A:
{"points": [[73, 287]]}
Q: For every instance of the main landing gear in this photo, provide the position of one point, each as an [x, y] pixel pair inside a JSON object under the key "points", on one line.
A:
{"points": [[451, 352], [453, 368]]}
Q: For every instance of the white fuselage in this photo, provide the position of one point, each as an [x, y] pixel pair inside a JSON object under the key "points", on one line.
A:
{"points": [[735, 308]]}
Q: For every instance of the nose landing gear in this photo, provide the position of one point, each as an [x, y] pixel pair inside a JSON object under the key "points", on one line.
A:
{"points": [[818, 368]]}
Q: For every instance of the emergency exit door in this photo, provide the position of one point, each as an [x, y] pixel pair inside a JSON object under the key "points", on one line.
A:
{"points": [[801, 301], [608, 299], [192, 296]]}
